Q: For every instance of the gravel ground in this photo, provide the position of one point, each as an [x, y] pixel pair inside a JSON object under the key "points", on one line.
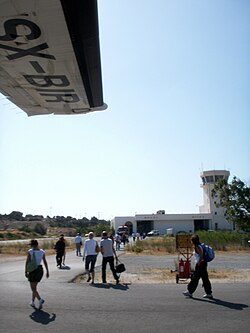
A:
{"points": [[226, 267]]}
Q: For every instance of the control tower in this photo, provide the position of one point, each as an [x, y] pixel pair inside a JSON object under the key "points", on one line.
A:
{"points": [[209, 178]]}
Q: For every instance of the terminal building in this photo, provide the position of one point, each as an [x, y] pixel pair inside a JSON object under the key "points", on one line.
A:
{"points": [[210, 217]]}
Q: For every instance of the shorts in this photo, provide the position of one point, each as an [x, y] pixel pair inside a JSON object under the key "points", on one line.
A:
{"points": [[90, 260], [36, 275]]}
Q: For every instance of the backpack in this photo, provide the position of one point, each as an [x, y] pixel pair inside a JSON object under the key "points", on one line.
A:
{"points": [[208, 252]]}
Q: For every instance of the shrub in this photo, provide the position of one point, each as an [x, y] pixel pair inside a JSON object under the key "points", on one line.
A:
{"points": [[219, 240], [136, 247], [224, 240], [25, 228], [40, 229]]}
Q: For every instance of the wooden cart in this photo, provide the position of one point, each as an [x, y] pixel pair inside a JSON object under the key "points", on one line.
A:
{"points": [[185, 252]]}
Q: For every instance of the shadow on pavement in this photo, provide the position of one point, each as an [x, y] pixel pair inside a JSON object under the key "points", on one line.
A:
{"points": [[230, 305], [42, 317], [65, 268], [110, 285]]}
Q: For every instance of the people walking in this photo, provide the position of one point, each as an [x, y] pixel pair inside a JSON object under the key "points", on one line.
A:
{"points": [[34, 277], [78, 243], [60, 251], [123, 239], [117, 242], [110, 235], [108, 253], [90, 250], [200, 271]]}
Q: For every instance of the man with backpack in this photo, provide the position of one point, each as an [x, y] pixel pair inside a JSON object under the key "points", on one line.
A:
{"points": [[200, 270]]}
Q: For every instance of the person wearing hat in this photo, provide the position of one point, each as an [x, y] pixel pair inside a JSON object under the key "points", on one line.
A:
{"points": [[36, 275], [91, 249]]}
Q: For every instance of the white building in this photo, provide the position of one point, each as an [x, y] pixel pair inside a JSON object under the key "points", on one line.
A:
{"points": [[209, 217], [209, 204]]}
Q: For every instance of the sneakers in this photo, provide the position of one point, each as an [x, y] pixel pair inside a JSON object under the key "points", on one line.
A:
{"points": [[32, 304], [187, 293], [41, 301], [89, 279], [210, 296]]}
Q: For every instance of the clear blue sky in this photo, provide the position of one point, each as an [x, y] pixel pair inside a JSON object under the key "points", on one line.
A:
{"points": [[176, 78]]}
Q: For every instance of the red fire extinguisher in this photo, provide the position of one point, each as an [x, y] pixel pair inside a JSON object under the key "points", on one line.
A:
{"points": [[181, 267], [187, 269]]}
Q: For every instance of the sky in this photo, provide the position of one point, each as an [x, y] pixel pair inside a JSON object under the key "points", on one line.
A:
{"points": [[176, 79]]}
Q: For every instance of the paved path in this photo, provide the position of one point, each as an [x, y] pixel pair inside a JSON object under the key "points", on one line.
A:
{"points": [[72, 307]]}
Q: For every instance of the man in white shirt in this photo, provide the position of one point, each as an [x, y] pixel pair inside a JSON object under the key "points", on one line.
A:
{"points": [[78, 242], [108, 252], [90, 250]]}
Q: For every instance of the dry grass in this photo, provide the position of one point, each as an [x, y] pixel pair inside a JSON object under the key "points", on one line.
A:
{"points": [[20, 248], [164, 276]]}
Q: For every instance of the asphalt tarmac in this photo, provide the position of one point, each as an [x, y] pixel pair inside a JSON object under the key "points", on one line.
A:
{"points": [[71, 307]]}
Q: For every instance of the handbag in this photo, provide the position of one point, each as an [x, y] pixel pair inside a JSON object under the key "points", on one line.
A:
{"points": [[32, 265], [120, 267], [97, 248]]}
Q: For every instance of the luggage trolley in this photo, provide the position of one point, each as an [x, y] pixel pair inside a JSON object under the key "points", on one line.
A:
{"points": [[185, 249]]}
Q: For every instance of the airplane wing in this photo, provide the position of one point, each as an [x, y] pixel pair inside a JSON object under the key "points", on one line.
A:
{"points": [[50, 56]]}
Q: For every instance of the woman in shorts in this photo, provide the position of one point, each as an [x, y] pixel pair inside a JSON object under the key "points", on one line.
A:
{"points": [[90, 250], [35, 276]]}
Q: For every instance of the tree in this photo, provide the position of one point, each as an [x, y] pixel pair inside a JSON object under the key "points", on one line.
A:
{"points": [[235, 198]]}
